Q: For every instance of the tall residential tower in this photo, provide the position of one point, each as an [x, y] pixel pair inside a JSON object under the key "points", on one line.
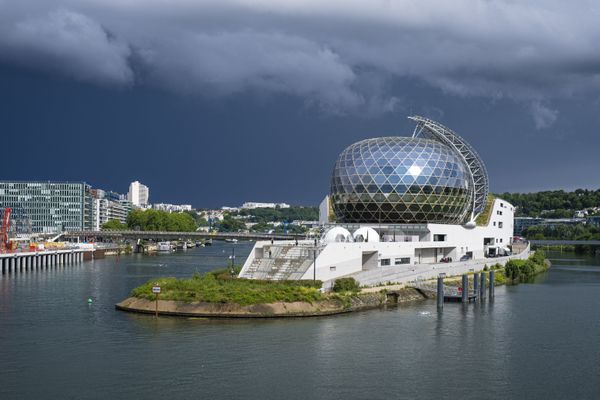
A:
{"points": [[138, 194]]}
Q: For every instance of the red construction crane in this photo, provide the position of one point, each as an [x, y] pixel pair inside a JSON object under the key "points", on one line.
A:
{"points": [[4, 243]]}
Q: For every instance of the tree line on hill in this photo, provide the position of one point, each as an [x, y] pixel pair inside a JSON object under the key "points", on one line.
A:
{"points": [[562, 232], [552, 203], [278, 214]]}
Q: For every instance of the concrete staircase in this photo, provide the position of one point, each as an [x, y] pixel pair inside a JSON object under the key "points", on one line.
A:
{"points": [[285, 262]]}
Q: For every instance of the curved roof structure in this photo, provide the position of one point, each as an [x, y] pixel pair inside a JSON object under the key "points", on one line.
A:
{"points": [[366, 234], [337, 234], [434, 130]]}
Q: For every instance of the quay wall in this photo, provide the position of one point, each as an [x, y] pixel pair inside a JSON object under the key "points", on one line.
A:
{"points": [[330, 306], [32, 260], [410, 273]]}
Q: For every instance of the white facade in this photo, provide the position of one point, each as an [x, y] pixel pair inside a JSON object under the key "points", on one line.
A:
{"points": [[139, 194], [252, 205], [172, 207], [396, 246], [106, 210], [118, 210], [325, 211], [100, 213]]}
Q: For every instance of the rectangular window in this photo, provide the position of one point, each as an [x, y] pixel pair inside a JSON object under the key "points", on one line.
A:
{"points": [[385, 262], [439, 238], [500, 224], [402, 260], [494, 223], [332, 268]]}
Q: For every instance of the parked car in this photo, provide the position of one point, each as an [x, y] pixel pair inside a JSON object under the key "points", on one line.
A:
{"points": [[466, 257], [446, 259]]}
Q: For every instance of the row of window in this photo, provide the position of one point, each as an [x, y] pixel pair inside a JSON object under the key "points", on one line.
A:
{"points": [[397, 261]]}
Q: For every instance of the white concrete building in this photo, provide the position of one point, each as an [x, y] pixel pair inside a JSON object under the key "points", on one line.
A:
{"points": [[172, 207], [139, 194], [325, 216], [347, 250], [100, 213], [250, 205], [406, 208]]}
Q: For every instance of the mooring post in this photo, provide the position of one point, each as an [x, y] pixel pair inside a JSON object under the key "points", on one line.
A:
{"points": [[465, 288], [476, 285], [440, 292], [491, 284], [482, 286]]}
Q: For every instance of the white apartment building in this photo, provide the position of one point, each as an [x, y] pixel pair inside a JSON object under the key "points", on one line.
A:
{"points": [[139, 194]]}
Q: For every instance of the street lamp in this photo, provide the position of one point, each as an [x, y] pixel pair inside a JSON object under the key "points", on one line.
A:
{"points": [[232, 257], [315, 262]]}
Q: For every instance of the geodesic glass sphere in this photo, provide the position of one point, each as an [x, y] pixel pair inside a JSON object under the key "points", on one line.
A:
{"points": [[400, 180]]}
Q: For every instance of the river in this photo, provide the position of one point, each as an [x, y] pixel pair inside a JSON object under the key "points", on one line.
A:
{"points": [[539, 340]]}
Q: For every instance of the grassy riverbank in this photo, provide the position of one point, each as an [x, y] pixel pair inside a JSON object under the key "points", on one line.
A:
{"points": [[220, 287]]}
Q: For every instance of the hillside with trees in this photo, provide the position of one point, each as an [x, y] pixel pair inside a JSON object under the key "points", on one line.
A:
{"points": [[552, 204], [278, 214]]}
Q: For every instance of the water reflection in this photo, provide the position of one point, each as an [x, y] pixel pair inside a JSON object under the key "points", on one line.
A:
{"points": [[534, 341]]}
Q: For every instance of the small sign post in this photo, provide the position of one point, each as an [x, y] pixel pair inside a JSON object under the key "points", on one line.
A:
{"points": [[156, 291]]}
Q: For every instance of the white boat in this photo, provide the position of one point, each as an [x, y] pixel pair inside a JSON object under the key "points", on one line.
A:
{"points": [[165, 246], [234, 240]]}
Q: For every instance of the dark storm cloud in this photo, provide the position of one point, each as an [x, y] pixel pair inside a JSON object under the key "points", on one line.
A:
{"points": [[341, 55]]}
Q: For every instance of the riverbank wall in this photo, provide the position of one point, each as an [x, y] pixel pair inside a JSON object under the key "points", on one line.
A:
{"points": [[406, 274], [330, 306]]}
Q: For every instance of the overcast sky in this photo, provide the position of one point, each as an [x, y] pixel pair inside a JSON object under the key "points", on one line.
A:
{"points": [[219, 102]]}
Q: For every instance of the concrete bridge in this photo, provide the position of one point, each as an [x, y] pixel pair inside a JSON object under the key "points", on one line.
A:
{"points": [[564, 242], [164, 235]]}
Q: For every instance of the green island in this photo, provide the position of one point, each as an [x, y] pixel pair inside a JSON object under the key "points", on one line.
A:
{"points": [[220, 287], [220, 293]]}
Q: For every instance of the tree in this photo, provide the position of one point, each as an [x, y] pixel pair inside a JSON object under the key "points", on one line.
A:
{"points": [[114, 225], [229, 224], [155, 220]]}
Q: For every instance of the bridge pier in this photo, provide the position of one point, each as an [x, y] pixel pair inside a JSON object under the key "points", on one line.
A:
{"points": [[440, 292], [482, 286]]}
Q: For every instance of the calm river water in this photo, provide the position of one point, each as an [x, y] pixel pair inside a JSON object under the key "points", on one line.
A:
{"points": [[535, 341]]}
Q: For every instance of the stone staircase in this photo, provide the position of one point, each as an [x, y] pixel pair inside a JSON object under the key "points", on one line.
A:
{"points": [[286, 262]]}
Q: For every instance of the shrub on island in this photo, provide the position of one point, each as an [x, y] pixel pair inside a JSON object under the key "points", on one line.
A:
{"points": [[525, 270], [345, 285]]}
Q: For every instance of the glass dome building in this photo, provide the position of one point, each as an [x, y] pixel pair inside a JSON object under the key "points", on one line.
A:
{"points": [[400, 180]]}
